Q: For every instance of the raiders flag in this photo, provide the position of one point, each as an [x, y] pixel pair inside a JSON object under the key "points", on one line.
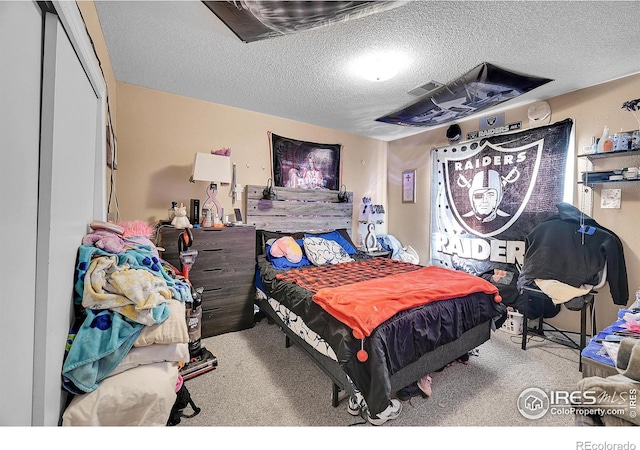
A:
{"points": [[489, 193]]}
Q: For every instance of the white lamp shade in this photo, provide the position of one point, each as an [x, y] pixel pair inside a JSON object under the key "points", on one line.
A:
{"points": [[211, 168]]}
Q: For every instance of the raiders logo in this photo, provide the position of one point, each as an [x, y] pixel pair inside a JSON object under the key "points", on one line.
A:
{"points": [[488, 189], [491, 120]]}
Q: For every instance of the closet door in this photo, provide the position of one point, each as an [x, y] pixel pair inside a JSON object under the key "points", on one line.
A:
{"points": [[20, 57], [70, 156]]}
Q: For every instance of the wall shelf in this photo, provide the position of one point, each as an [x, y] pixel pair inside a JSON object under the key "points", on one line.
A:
{"points": [[593, 183], [592, 156]]}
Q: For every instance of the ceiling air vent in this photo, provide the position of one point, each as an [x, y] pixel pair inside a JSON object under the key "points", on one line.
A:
{"points": [[425, 88]]}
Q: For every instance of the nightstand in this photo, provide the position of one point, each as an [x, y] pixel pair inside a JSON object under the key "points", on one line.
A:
{"points": [[225, 268]]}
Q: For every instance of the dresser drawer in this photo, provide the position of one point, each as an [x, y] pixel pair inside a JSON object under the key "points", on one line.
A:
{"points": [[239, 238], [211, 276], [223, 320], [225, 295]]}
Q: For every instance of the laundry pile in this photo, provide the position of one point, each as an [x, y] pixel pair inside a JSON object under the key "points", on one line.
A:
{"points": [[123, 297], [614, 399]]}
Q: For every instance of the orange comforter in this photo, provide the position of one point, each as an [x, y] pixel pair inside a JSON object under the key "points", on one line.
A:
{"points": [[364, 305]]}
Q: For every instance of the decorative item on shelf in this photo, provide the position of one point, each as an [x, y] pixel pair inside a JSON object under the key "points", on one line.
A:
{"points": [[621, 141], [605, 144], [633, 106], [635, 140], [213, 169]]}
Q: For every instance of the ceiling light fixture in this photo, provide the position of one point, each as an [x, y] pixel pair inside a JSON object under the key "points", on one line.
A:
{"points": [[379, 66]]}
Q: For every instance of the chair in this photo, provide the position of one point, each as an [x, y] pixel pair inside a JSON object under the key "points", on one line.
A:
{"points": [[585, 301]]}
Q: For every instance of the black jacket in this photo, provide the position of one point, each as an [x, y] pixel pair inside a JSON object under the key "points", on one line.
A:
{"points": [[556, 250]]}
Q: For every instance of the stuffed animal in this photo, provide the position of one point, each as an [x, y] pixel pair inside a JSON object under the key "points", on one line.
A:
{"points": [[181, 221], [286, 246], [138, 233]]}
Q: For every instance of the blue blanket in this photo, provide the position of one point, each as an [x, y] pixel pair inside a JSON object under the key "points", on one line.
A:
{"points": [[138, 258], [100, 344]]}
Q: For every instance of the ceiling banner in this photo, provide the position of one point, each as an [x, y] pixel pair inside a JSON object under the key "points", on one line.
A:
{"points": [[483, 87], [488, 194], [256, 20]]}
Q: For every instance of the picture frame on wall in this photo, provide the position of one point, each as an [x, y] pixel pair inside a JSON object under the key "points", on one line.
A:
{"points": [[409, 186]]}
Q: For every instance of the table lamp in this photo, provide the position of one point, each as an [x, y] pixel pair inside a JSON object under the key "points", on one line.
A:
{"points": [[213, 169]]}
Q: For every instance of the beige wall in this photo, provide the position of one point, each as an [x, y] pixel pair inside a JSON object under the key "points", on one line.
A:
{"points": [[159, 133], [591, 109]]}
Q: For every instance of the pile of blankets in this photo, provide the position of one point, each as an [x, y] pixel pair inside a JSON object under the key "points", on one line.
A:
{"points": [[118, 291]]}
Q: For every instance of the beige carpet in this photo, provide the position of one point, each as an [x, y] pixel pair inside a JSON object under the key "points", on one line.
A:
{"points": [[259, 382]]}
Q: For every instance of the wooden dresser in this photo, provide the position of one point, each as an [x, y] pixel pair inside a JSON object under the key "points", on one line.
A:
{"points": [[225, 268]]}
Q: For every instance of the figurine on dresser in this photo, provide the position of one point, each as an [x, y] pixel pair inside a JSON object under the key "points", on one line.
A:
{"points": [[181, 221]]}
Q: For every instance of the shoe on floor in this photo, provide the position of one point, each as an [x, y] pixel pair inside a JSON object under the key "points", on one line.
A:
{"points": [[392, 412], [407, 392], [353, 407], [424, 384]]}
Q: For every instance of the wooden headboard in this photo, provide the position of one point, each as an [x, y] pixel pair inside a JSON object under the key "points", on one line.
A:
{"points": [[295, 210]]}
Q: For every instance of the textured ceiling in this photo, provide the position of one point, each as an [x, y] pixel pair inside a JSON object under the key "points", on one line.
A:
{"points": [[182, 48]]}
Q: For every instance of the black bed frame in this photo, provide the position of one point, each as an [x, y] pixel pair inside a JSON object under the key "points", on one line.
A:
{"points": [[428, 363]]}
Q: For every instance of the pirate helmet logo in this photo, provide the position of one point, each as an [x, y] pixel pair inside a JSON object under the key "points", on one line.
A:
{"points": [[485, 195], [488, 190]]}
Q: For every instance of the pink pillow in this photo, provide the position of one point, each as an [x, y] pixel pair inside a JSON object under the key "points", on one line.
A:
{"points": [[288, 247]]}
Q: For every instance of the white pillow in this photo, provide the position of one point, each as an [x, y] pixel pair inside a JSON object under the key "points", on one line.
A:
{"points": [[149, 354], [321, 251], [172, 331], [142, 396]]}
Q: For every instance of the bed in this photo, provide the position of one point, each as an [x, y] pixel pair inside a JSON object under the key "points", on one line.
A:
{"points": [[368, 361]]}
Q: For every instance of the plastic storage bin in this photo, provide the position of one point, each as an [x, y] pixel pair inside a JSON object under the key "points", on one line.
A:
{"points": [[513, 324]]}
